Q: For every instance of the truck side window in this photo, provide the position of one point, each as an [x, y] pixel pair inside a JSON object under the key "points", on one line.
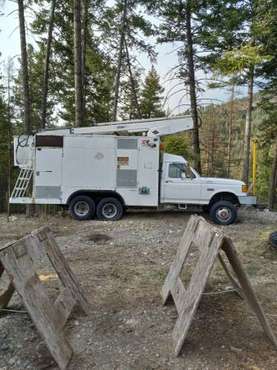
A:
{"points": [[176, 169]]}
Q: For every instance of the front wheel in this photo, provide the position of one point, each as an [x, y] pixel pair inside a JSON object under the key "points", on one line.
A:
{"points": [[109, 209], [223, 213]]}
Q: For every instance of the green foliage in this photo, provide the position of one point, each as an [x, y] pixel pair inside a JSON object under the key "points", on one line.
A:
{"points": [[237, 60], [129, 102], [151, 96], [99, 67], [138, 28], [179, 145], [264, 161]]}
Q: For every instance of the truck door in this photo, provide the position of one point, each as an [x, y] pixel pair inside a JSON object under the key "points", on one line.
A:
{"points": [[178, 186]]}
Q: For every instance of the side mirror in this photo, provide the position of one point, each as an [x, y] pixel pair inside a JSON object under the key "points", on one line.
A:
{"points": [[183, 176]]}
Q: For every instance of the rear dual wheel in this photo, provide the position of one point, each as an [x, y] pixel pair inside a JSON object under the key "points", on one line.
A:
{"points": [[108, 209], [82, 208]]}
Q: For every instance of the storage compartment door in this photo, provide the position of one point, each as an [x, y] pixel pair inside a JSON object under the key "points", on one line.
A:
{"points": [[48, 173]]}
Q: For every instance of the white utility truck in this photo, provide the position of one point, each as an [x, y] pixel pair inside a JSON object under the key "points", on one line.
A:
{"points": [[100, 171]]}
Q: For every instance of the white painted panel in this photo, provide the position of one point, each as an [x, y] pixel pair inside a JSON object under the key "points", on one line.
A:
{"points": [[89, 163], [48, 169], [179, 190], [147, 165], [148, 173]]}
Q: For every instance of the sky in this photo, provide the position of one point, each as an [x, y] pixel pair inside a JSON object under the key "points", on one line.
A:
{"points": [[167, 58]]}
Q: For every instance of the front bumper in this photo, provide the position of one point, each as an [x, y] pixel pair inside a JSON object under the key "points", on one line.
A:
{"points": [[249, 200]]}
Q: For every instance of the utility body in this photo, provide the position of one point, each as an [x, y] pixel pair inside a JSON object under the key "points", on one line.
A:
{"points": [[102, 170]]}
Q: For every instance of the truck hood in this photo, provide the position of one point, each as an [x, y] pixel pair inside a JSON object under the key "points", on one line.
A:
{"points": [[218, 180]]}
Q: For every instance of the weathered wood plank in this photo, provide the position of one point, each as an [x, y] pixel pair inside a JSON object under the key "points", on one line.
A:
{"points": [[36, 301], [177, 265], [178, 292], [248, 291], [195, 289], [209, 241], [64, 304], [45, 236], [19, 260], [6, 296], [232, 279], [1, 269]]}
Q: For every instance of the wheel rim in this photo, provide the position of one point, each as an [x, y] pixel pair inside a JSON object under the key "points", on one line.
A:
{"points": [[224, 214], [81, 208], [109, 210]]}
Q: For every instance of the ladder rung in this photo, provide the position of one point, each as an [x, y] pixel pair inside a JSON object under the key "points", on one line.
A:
{"points": [[22, 183]]}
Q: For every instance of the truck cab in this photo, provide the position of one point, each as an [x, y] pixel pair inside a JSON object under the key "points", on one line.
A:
{"points": [[182, 185]]}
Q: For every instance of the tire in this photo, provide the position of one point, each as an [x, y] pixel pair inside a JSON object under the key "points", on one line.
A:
{"points": [[82, 208], [109, 209], [223, 212]]}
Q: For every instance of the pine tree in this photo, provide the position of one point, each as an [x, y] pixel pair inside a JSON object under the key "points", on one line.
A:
{"points": [[47, 65], [151, 96], [79, 114], [229, 33], [180, 23], [126, 32], [266, 31], [99, 66], [129, 107], [4, 146], [25, 69]]}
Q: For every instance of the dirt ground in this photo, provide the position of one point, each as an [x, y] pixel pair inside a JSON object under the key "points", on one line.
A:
{"points": [[121, 267]]}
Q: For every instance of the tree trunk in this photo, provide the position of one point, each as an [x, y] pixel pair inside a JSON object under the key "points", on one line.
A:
{"points": [[213, 146], [10, 135], [248, 124], [24, 66], [78, 64], [46, 66], [120, 59], [134, 92], [84, 50], [230, 131], [273, 180], [192, 88]]}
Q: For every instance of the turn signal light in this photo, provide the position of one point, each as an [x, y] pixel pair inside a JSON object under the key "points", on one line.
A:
{"points": [[244, 188]]}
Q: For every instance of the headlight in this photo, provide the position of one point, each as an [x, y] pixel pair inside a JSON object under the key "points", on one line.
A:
{"points": [[244, 188]]}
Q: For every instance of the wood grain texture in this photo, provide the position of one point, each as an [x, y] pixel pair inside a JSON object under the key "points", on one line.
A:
{"points": [[19, 261], [247, 289], [45, 238], [64, 305], [209, 241], [36, 301], [8, 293]]}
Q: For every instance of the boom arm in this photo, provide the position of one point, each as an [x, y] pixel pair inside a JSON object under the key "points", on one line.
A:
{"points": [[153, 127]]}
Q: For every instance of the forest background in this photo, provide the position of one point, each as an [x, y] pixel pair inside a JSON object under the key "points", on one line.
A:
{"points": [[83, 62]]}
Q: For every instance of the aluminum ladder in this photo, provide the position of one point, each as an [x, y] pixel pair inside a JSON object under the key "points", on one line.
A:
{"points": [[22, 183]]}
